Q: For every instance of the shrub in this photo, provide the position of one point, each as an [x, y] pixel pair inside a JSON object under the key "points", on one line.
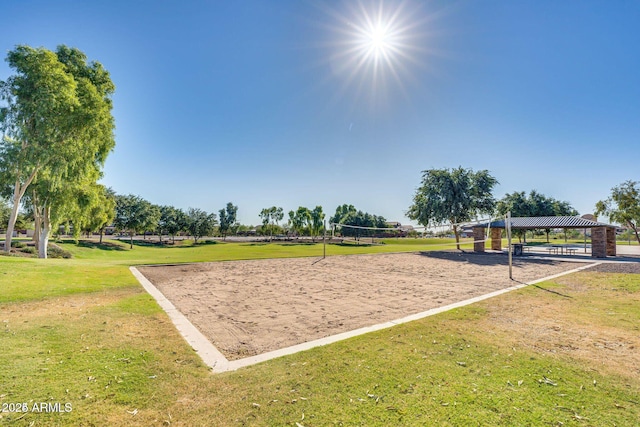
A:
{"points": [[55, 251], [29, 250], [18, 245]]}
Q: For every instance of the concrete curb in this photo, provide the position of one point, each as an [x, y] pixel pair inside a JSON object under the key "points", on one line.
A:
{"points": [[207, 351]]}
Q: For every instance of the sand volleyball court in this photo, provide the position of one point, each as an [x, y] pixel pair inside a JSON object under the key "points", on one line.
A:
{"points": [[247, 308]]}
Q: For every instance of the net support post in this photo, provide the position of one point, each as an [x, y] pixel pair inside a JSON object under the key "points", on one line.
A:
{"points": [[507, 224], [324, 239]]}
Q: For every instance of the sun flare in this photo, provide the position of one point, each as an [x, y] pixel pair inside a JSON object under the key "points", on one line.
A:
{"points": [[378, 40], [378, 45]]}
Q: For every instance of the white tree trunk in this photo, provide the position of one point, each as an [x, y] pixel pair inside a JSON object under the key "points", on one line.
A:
{"points": [[18, 192], [44, 234]]}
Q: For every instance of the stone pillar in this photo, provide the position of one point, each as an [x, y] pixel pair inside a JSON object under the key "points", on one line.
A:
{"points": [[478, 239], [611, 241], [599, 242], [496, 239]]}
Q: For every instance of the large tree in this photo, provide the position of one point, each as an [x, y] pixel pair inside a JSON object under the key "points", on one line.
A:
{"points": [[270, 218], [172, 221], [228, 219], [343, 214], [103, 211], [5, 211], [57, 129], [535, 204], [316, 223], [623, 206], [454, 196], [135, 215], [358, 220], [299, 220], [200, 223], [89, 208]]}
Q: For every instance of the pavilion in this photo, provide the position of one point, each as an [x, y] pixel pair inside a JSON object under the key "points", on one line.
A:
{"points": [[603, 236]]}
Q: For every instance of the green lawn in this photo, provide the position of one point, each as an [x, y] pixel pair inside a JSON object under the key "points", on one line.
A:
{"points": [[96, 267], [83, 332]]}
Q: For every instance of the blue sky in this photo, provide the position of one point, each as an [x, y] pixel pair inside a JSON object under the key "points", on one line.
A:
{"points": [[263, 103]]}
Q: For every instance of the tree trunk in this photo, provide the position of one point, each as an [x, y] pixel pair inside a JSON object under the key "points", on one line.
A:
{"points": [[13, 217], [131, 240], [101, 231], [455, 231], [36, 230], [44, 233], [37, 224], [635, 230]]}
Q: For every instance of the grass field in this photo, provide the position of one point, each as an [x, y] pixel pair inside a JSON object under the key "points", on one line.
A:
{"points": [[82, 332]]}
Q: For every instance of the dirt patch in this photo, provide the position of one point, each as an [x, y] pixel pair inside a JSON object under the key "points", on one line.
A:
{"points": [[251, 307], [567, 321]]}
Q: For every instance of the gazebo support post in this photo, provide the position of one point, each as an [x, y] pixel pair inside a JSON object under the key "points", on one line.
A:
{"points": [[611, 241], [599, 242], [496, 239], [478, 239]]}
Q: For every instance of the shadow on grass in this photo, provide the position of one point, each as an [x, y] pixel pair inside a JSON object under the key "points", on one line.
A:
{"points": [[281, 244], [354, 245], [167, 243], [105, 246]]}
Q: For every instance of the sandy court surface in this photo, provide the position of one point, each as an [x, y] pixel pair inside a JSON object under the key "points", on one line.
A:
{"points": [[251, 307]]}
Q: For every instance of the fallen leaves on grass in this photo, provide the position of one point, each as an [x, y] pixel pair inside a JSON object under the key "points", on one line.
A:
{"points": [[546, 380]]}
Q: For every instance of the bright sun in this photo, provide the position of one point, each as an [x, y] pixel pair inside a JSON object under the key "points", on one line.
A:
{"points": [[377, 44], [378, 40]]}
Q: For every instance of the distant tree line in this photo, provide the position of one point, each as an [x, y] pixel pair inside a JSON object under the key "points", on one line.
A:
{"points": [[355, 223], [134, 215]]}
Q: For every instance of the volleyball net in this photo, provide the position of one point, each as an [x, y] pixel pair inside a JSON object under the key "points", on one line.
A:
{"points": [[465, 230]]}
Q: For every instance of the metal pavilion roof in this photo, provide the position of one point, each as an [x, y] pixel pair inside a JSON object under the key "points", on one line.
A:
{"points": [[546, 222]]}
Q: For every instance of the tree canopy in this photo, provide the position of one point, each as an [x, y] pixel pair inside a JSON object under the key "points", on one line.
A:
{"points": [[299, 220], [348, 215], [171, 221], [623, 206], [535, 204], [57, 132], [134, 215], [454, 196], [228, 219], [316, 222], [200, 223], [270, 218]]}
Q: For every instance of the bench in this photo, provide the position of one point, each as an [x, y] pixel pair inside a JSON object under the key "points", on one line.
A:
{"points": [[571, 251]]}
